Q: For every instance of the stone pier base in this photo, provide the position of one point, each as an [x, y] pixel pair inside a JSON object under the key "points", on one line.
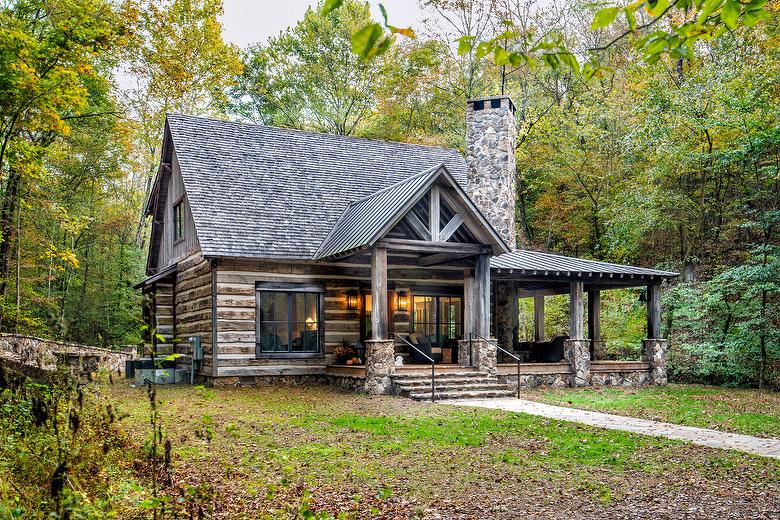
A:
{"points": [[577, 353], [654, 352], [380, 366], [483, 355]]}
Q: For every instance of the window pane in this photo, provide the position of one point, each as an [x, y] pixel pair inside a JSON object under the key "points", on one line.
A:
{"points": [[266, 310], [280, 306], [282, 337], [288, 321], [312, 316]]}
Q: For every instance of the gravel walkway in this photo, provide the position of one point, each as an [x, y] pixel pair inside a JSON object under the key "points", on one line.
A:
{"points": [[700, 436]]}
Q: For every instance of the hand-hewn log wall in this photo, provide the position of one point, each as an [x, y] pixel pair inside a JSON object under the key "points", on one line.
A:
{"points": [[162, 324], [193, 306], [236, 281]]}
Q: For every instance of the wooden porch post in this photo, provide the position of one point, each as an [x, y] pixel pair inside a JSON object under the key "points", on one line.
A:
{"points": [[482, 295], [594, 315], [653, 311], [576, 311], [538, 317], [469, 313], [379, 293]]}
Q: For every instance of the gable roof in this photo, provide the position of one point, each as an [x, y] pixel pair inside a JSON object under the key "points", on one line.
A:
{"points": [[531, 262], [366, 220], [265, 192]]}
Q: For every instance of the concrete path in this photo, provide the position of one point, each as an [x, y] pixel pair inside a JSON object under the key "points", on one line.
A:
{"points": [[701, 436]]}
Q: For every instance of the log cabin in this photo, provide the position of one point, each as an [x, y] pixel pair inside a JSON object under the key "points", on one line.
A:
{"points": [[299, 257]]}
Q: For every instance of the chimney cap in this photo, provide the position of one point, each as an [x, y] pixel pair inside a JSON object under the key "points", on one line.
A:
{"points": [[491, 98]]}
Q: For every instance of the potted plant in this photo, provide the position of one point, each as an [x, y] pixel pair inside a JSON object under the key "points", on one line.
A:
{"points": [[346, 354]]}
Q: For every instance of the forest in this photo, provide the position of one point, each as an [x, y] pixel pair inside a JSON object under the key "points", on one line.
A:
{"points": [[635, 144]]}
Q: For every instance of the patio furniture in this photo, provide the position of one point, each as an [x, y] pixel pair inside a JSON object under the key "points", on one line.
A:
{"points": [[423, 342]]}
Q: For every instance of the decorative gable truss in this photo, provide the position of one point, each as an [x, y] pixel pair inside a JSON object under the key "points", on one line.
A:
{"points": [[429, 212]]}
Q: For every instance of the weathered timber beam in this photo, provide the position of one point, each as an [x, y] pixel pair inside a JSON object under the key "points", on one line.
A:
{"points": [[434, 213], [654, 311], [539, 317], [416, 224], [576, 311], [451, 227], [379, 293], [421, 246], [441, 258]]}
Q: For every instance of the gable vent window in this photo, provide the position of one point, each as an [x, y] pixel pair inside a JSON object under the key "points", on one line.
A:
{"points": [[495, 103], [479, 105], [178, 221]]}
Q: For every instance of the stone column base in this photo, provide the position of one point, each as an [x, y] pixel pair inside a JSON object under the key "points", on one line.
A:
{"points": [[380, 366], [463, 353], [654, 352], [599, 350], [483, 355], [577, 353]]}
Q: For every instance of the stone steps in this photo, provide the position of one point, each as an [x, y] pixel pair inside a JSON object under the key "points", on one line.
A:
{"points": [[462, 394], [452, 385]]}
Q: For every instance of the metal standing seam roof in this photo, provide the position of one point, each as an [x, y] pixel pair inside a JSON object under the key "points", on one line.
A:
{"points": [[542, 263], [364, 220]]}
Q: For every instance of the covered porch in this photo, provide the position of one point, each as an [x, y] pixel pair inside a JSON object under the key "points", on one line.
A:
{"points": [[535, 275]]}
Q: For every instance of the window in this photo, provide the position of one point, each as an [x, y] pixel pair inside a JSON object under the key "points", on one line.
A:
{"points": [[178, 221], [439, 317], [288, 322]]}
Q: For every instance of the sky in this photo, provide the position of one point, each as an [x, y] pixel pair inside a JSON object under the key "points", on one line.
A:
{"points": [[251, 21]]}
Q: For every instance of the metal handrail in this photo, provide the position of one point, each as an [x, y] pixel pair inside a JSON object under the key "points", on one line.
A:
{"points": [[495, 343], [429, 358]]}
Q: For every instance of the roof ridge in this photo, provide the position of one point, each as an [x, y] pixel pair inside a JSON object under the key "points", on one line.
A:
{"points": [[310, 132], [427, 171]]}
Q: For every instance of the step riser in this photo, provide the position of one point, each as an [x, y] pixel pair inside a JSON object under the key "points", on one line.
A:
{"points": [[443, 387], [461, 395]]}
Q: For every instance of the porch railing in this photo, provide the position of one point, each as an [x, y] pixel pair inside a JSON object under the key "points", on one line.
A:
{"points": [[495, 343], [429, 358]]}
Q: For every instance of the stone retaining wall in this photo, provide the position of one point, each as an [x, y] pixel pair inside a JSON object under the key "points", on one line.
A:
{"points": [[43, 354]]}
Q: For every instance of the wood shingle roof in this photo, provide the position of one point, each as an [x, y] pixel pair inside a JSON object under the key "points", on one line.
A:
{"points": [[265, 192]]}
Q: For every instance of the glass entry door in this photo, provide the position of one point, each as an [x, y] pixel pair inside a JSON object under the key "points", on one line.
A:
{"points": [[439, 317]]}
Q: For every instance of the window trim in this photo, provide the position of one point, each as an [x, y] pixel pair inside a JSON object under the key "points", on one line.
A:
{"points": [[178, 222], [288, 287]]}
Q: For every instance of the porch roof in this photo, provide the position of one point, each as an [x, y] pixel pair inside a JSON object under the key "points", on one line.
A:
{"points": [[539, 265], [368, 219]]}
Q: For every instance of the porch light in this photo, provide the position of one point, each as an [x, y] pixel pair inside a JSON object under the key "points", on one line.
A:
{"points": [[642, 297], [352, 300], [402, 301]]}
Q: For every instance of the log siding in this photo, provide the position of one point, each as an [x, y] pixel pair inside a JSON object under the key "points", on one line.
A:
{"points": [[236, 282]]}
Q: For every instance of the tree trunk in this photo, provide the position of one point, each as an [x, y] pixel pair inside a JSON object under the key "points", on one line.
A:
{"points": [[7, 214]]}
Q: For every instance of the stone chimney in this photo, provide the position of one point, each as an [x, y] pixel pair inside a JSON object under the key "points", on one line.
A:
{"points": [[490, 154]]}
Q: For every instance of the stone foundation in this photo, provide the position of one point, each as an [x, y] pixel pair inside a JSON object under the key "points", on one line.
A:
{"points": [[553, 380], [625, 378], [577, 353], [380, 366], [347, 383], [654, 351]]}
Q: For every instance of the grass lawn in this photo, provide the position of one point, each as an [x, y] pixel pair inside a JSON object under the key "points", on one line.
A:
{"points": [[741, 411], [284, 452]]}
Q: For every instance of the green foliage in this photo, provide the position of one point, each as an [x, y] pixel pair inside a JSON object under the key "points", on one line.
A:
{"points": [[62, 452]]}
